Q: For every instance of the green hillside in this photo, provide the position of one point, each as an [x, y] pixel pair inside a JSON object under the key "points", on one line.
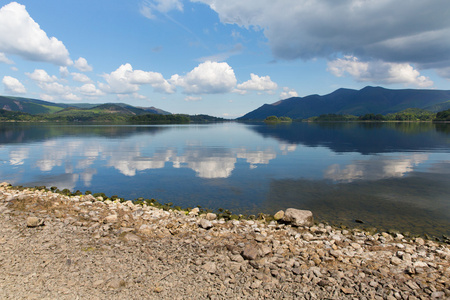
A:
{"points": [[38, 107], [31, 106]]}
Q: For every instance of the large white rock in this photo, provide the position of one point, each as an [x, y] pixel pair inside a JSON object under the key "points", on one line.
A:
{"points": [[298, 217], [205, 224]]}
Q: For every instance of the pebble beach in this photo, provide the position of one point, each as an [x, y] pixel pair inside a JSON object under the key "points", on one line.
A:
{"points": [[54, 246]]}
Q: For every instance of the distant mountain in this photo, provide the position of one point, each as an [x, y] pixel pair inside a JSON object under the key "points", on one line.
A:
{"points": [[154, 110], [35, 106], [376, 100], [31, 106]]}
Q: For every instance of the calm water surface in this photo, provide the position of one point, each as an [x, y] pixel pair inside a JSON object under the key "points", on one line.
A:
{"points": [[389, 175]]}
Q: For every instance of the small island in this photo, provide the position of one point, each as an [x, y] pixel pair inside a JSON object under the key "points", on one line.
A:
{"points": [[276, 120]]}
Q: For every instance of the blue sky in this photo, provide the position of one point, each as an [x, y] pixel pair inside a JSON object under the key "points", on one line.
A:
{"points": [[223, 58]]}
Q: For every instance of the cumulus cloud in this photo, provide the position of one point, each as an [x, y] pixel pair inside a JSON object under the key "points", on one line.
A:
{"points": [[5, 60], [82, 65], [13, 85], [288, 93], [22, 36], [125, 80], [257, 83], [90, 90], [55, 90], [63, 72], [149, 7], [414, 32], [71, 97], [207, 78], [80, 77], [378, 72], [40, 75]]}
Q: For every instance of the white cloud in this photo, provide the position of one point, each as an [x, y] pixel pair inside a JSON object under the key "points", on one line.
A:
{"points": [[378, 72], [71, 97], [63, 71], [119, 81], [148, 7], [90, 90], [82, 65], [4, 59], [46, 97], [414, 32], [207, 78], [256, 83], [125, 80], [55, 90], [13, 85], [40, 75], [21, 35], [288, 93], [80, 77], [192, 98]]}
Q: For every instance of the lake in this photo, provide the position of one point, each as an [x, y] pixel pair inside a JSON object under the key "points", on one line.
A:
{"points": [[387, 175]]}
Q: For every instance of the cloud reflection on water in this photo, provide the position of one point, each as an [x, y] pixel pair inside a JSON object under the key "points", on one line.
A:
{"points": [[82, 157], [376, 168]]}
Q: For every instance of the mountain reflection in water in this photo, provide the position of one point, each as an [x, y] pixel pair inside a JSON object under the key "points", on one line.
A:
{"points": [[390, 175]]}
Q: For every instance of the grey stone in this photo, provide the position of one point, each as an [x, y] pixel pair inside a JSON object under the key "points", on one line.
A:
{"points": [[116, 283], [111, 219], [210, 267], [395, 260], [250, 252], [205, 224], [34, 222], [131, 237], [194, 211], [438, 295], [412, 285], [420, 241], [336, 253], [259, 238], [347, 290], [298, 217], [211, 216]]}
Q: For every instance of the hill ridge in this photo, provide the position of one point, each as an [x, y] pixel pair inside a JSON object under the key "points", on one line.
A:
{"points": [[37, 106], [376, 100]]}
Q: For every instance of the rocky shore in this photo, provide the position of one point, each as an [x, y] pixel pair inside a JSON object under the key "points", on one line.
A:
{"points": [[59, 247]]}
